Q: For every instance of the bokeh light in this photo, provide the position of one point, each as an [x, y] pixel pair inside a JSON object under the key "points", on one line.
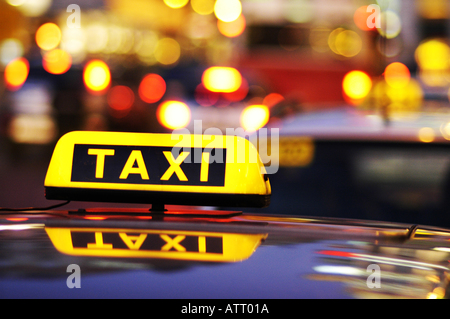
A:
{"points": [[32, 129], [174, 115], [32, 8], [97, 76], [152, 88], [73, 42], [435, 9], [221, 79], [232, 29], [433, 59], [332, 39], [167, 51], [16, 73], [348, 43], [273, 99], [176, 4], [391, 24], [433, 54], [254, 117], [120, 97], [57, 61], [227, 10], [426, 134], [401, 100], [48, 36], [445, 130], [10, 49], [203, 7], [397, 75], [356, 85], [360, 18]]}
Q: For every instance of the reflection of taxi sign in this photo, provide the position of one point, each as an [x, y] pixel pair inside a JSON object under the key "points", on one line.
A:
{"points": [[157, 169], [167, 244]]}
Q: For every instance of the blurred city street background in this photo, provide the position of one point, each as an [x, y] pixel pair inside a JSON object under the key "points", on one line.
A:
{"points": [[159, 65]]}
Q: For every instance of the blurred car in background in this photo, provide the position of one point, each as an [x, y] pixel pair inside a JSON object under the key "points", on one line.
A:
{"points": [[355, 163]]}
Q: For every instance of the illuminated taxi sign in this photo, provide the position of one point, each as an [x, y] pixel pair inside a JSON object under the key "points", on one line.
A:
{"points": [[132, 243], [157, 169]]}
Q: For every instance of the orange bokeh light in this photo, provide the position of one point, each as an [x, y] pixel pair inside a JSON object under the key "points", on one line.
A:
{"points": [[152, 88], [57, 61], [397, 75], [17, 219], [97, 76], [273, 99], [360, 18], [232, 29], [16, 73]]}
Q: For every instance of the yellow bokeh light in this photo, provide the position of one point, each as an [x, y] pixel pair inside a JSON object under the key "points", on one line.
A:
{"points": [[174, 115], [406, 99], [348, 43], [397, 75], [16, 73], [167, 51], [32, 8], [433, 9], [356, 85], [426, 134], [176, 4], [97, 76], [57, 61], [332, 39], [433, 55], [445, 130], [48, 36], [222, 79], [254, 117], [32, 129], [227, 10], [232, 29], [203, 7]]}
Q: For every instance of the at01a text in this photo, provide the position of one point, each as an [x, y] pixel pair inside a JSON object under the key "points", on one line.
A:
{"points": [[246, 308]]}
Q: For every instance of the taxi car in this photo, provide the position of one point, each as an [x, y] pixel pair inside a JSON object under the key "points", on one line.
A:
{"points": [[168, 252]]}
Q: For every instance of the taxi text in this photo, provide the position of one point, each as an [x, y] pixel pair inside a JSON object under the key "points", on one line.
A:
{"points": [[147, 165]]}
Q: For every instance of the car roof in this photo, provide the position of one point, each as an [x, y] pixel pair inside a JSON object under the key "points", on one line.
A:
{"points": [[298, 257]]}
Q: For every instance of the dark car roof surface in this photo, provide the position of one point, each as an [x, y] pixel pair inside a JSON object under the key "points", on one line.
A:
{"points": [[297, 258]]}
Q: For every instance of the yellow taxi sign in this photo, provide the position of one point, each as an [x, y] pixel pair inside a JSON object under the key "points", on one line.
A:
{"points": [[201, 170], [166, 244]]}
